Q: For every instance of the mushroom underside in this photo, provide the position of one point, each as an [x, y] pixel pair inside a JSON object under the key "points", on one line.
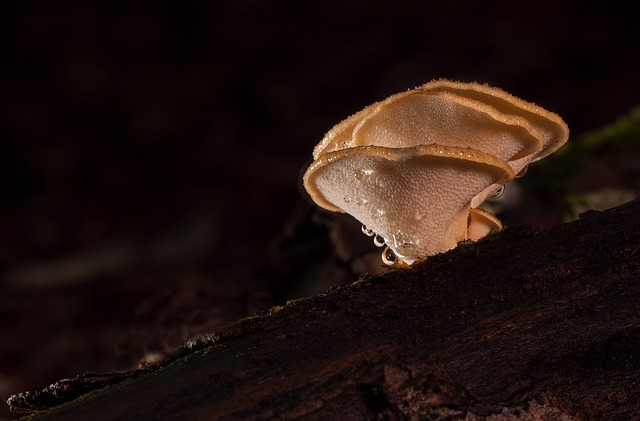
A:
{"points": [[417, 199]]}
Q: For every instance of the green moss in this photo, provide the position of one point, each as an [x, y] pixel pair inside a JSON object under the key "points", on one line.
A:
{"points": [[621, 136], [613, 143], [615, 140]]}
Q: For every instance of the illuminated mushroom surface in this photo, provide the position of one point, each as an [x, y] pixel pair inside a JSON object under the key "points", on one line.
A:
{"points": [[414, 167]]}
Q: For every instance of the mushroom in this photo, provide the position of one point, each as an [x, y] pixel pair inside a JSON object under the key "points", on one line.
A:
{"points": [[438, 150], [549, 126], [417, 199], [481, 223], [454, 114], [554, 130], [421, 117]]}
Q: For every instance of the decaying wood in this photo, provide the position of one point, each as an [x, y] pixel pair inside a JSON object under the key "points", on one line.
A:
{"points": [[523, 325]]}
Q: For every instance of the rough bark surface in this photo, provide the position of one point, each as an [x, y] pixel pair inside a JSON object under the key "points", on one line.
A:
{"points": [[523, 325]]}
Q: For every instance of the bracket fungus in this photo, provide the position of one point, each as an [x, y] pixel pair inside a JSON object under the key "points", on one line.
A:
{"points": [[414, 168]]}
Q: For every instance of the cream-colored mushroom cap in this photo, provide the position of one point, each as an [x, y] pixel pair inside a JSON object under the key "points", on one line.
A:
{"points": [[417, 198], [554, 130], [547, 126], [481, 223], [454, 114], [341, 135], [439, 116], [423, 118]]}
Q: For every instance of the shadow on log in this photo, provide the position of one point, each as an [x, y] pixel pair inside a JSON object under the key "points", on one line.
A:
{"points": [[522, 325]]}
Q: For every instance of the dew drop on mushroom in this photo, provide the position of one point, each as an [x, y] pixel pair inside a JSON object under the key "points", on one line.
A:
{"points": [[389, 257], [368, 232]]}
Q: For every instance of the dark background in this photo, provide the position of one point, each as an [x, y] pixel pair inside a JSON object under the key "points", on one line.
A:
{"points": [[150, 152]]}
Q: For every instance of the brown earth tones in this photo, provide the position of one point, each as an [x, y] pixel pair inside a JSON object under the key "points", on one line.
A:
{"points": [[522, 325]]}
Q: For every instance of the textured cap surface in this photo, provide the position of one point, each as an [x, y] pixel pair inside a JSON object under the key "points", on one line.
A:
{"points": [[417, 198]]}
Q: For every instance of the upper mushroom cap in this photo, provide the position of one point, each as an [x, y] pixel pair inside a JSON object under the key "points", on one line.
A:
{"points": [[417, 198], [554, 130], [422, 118], [341, 135], [454, 114]]}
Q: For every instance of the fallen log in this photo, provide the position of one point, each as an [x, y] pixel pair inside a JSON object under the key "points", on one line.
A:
{"points": [[522, 325]]}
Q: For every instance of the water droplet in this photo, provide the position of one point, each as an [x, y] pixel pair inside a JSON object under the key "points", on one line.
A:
{"points": [[498, 193], [367, 231], [522, 172], [378, 240], [360, 201], [388, 256]]}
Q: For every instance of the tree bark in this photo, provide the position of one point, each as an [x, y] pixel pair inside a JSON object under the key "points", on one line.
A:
{"points": [[522, 325]]}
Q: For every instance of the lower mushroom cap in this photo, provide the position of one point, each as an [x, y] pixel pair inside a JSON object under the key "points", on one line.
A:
{"points": [[481, 223], [417, 198]]}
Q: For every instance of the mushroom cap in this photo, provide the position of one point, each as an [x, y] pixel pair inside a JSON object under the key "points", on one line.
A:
{"points": [[554, 130], [417, 198], [341, 135], [422, 118], [453, 114], [550, 126], [481, 223]]}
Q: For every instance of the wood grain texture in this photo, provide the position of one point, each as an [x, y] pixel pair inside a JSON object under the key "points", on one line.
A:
{"points": [[523, 325]]}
